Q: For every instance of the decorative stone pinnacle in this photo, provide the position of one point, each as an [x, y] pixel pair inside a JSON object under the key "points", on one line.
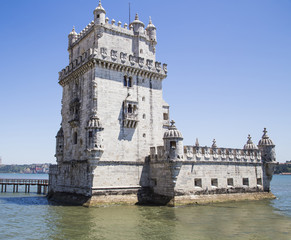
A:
{"points": [[265, 133], [150, 20], [250, 139], [136, 17], [197, 143], [214, 143]]}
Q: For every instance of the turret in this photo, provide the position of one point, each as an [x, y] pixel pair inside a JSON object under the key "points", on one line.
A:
{"points": [[250, 145], [151, 31], [60, 145], [72, 37], [99, 14], [267, 148], [138, 26], [94, 139], [173, 143]]}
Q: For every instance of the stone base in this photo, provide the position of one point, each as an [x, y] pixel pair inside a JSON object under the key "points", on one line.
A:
{"points": [[215, 198], [135, 198]]}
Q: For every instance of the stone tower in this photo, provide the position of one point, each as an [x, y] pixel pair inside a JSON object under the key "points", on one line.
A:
{"points": [[112, 108], [267, 147]]}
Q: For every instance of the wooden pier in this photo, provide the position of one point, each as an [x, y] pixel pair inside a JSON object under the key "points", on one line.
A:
{"points": [[42, 184]]}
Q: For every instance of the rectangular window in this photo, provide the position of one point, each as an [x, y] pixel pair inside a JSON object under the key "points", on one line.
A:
{"points": [[230, 181], [214, 182], [197, 182], [246, 181], [166, 117], [90, 134], [259, 181]]}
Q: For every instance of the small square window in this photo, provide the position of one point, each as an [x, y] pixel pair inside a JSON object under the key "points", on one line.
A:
{"points": [[259, 181], [197, 182], [230, 181], [214, 182], [246, 181]]}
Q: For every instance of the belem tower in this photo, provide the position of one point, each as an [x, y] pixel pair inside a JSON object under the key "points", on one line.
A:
{"points": [[116, 143]]}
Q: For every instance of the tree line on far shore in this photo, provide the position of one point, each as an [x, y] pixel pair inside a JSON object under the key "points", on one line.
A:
{"points": [[25, 168], [283, 168]]}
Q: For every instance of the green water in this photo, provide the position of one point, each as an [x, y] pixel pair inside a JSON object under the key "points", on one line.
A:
{"points": [[30, 216]]}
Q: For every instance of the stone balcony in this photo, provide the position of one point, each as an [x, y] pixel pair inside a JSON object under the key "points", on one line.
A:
{"points": [[130, 120]]}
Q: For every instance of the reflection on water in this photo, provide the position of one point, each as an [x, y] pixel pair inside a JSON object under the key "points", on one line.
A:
{"points": [[30, 216]]}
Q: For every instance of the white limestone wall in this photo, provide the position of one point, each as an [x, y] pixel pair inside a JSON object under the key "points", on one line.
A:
{"points": [[161, 179], [84, 93], [119, 175], [220, 171], [129, 144], [123, 40]]}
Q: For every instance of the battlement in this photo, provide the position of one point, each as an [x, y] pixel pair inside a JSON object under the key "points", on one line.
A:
{"points": [[126, 30], [119, 60], [208, 154]]}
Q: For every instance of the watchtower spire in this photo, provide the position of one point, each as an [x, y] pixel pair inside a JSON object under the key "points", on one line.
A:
{"points": [[99, 14]]}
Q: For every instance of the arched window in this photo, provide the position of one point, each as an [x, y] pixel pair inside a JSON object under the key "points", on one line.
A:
{"points": [[129, 109], [125, 81], [98, 16], [75, 138], [129, 84], [173, 144]]}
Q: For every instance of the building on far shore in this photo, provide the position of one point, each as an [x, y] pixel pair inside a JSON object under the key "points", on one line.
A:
{"points": [[116, 142]]}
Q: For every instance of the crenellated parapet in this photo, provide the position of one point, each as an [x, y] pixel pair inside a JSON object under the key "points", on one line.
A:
{"points": [[208, 154], [197, 153], [113, 59], [147, 34]]}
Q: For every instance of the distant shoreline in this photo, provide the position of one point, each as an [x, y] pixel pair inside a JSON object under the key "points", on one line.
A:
{"points": [[38, 168]]}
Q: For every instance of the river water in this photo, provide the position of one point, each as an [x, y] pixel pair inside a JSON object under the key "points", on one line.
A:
{"points": [[31, 216]]}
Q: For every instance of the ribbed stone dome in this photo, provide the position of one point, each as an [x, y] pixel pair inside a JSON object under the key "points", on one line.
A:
{"points": [[137, 21], [173, 132], [250, 145], [265, 141], [73, 32], [99, 7], [151, 25]]}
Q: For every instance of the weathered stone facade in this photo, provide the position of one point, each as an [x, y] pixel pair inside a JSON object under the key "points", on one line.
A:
{"points": [[116, 142]]}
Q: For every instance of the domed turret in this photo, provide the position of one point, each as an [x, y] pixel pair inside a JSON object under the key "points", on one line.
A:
{"points": [[138, 26], [94, 138], [60, 145], [173, 142], [151, 31], [99, 14], [250, 145], [72, 36], [173, 132], [267, 148], [265, 141]]}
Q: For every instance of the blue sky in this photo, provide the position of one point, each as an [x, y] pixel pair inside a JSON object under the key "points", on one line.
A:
{"points": [[228, 69]]}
